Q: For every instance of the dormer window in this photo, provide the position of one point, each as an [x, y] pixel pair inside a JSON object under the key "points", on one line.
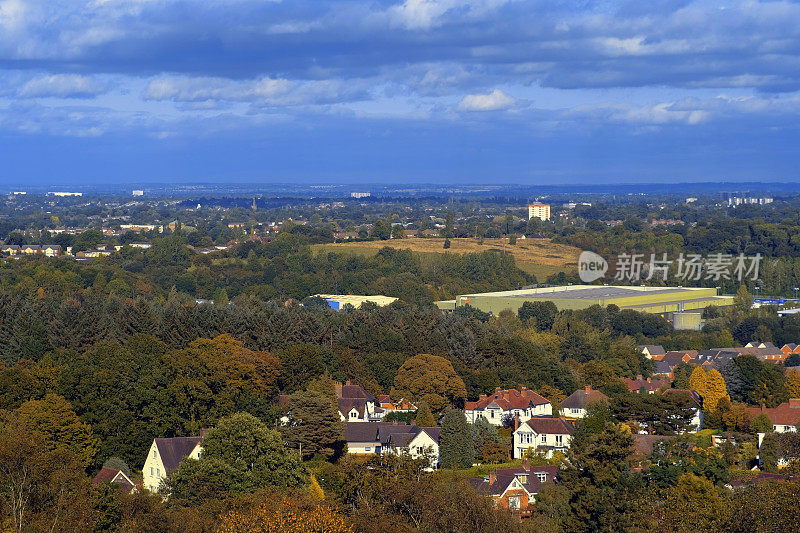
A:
{"points": [[523, 478], [542, 476]]}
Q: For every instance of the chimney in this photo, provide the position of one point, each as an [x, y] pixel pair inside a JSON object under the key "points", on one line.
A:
{"points": [[516, 421], [588, 388], [648, 380], [492, 477], [526, 465]]}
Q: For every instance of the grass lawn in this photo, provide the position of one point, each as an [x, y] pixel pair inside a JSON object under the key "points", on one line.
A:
{"points": [[539, 257]]}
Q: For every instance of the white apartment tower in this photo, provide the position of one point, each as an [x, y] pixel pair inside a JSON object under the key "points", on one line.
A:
{"points": [[540, 211]]}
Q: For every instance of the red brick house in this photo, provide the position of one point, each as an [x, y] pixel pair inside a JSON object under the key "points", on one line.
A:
{"points": [[515, 489]]}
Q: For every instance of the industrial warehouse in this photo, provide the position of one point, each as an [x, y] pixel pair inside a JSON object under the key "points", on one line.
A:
{"points": [[661, 300]]}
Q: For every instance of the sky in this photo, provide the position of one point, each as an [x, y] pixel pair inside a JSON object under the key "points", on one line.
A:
{"points": [[412, 91]]}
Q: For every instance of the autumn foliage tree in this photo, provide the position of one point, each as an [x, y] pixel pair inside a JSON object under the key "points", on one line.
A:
{"points": [[430, 378], [287, 517], [710, 385]]}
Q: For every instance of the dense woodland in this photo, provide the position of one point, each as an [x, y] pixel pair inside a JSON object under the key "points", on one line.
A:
{"points": [[100, 357]]}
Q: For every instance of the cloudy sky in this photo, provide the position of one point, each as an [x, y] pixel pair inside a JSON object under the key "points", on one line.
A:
{"points": [[414, 91]]}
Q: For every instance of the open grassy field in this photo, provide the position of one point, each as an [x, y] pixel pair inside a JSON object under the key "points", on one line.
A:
{"points": [[540, 257]]}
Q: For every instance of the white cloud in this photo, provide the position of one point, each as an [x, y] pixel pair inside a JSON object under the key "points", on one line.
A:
{"points": [[259, 92], [494, 101], [61, 86]]}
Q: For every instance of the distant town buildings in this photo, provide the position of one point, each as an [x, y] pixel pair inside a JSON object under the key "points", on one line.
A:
{"points": [[733, 201], [538, 210], [64, 193], [359, 195], [138, 193]]}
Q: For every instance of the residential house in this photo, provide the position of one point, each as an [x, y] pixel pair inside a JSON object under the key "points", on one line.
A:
{"points": [[543, 434], [367, 438], [789, 349], [784, 417], [667, 363], [643, 446], [112, 475], [418, 443], [652, 351], [515, 488], [31, 249], [10, 249], [507, 404], [400, 406], [696, 423], [357, 405], [648, 385], [165, 456], [51, 250], [574, 406]]}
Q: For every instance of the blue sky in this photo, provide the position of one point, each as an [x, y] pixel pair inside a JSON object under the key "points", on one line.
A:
{"points": [[414, 91]]}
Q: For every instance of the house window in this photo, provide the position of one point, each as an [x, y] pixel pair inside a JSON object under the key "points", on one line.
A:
{"points": [[544, 438], [158, 472], [151, 470], [155, 454], [559, 440], [542, 476], [513, 502], [367, 449]]}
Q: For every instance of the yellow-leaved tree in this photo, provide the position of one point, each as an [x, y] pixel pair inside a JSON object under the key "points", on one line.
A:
{"points": [[793, 383], [710, 385]]}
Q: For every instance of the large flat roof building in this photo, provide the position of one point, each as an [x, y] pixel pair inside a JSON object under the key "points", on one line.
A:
{"points": [[338, 301], [648, 299]]}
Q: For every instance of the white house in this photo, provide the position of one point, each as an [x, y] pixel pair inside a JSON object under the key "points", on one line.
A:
{"points": [[369, 438], [165, 456], [357, 405], [574, 406], [510, 403], [423, 444], [544, 434]]}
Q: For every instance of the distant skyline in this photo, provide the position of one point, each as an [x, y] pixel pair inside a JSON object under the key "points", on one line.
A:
{"points": [[416, 91]]}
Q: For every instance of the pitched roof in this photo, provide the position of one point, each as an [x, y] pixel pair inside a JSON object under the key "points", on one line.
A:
{"points": [[497, 482], [350, 391], [634, 385], [348, 404], [550, 426], [508, 399], [653, 349], [581, 397], [112, 475], [643, 444], [173, 450], [786, 414], [693, 394]]}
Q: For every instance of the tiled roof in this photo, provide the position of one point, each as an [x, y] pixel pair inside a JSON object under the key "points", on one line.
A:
{"points": [[173, 450], [355, 392], [550, 426], [643, 444], [508, 399], [653, 349], [387, 433], [347, 404], [634, 385], [786, 414], [496, 483], [581, 397]]}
